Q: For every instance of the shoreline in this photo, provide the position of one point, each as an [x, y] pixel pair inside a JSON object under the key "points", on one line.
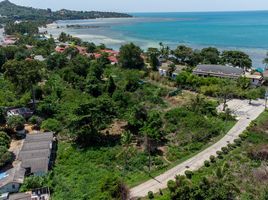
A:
{"points": [[115, 41]]}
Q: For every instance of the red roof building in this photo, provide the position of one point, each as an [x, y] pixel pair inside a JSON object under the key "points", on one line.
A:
{"points": [[113, 60], [110, 52], [82, 50], [60, 49]]}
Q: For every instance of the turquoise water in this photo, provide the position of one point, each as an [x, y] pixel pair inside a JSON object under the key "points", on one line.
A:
{"points": [[225, 29], [247, 31]]}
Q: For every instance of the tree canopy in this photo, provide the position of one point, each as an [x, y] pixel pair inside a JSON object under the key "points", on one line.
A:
{"points": [[130, 57]]}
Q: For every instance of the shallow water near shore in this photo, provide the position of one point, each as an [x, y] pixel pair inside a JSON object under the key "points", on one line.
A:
{"points": [[246, 31]]}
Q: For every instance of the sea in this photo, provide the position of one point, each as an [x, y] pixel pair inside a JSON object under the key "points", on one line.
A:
{"points": [[245, 31]]}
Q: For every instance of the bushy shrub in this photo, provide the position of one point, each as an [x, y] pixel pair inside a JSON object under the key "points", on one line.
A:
{"points": [[171, 186], [2, 116], [212, 159], [225, 150], [150, 195], [238, 142], [219, 153], [206, 163], [243, 136], [114, 188], [188, 174], [5, 156], [230, 146], [16, 122], [51, 125], [33, 182], [35, 120], [4, 139]]}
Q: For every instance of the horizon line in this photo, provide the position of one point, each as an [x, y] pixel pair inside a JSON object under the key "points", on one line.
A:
{"points": [[209, 11]]}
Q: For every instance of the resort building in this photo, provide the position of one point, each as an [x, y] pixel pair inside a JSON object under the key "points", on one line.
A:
{"points": [[112, 55], [82, 50], [221, 71]]}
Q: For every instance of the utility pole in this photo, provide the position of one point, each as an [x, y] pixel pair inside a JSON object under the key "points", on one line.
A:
{"points": [[266, 96]]}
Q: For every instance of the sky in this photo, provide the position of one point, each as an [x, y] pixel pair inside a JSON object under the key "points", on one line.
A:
{"points": [[148, 5]]}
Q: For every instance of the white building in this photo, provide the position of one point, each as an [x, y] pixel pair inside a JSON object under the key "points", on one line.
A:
{"points": [[11, 180]]}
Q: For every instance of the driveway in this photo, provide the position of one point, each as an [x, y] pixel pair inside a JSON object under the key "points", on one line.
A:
{"points": [[245, 114]]}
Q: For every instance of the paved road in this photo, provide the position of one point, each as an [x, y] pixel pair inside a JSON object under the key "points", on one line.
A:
{"points": [[245, 114]]}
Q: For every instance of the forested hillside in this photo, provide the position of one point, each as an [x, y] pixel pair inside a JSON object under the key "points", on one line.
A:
{"points": [[10, 11]]}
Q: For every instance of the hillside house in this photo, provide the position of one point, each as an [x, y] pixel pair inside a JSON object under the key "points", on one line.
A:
{"points": [[24, 112], [165, 67], [177, 71], [37, 153], [255, 80], [11, 179]]}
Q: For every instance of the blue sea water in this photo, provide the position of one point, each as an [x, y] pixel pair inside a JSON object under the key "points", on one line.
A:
{"points": [[247, 31]]}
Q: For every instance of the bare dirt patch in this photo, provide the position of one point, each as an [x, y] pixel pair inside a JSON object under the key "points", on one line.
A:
{"points": [[261, 174], [29, 128], [183, 99], [116, 128]]}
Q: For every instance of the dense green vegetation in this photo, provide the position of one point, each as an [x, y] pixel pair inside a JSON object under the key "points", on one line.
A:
{"points": [[241, 174], [21, 28], [5, 155], [14, 12], [217, 87], [116, 127], [187, 56]]}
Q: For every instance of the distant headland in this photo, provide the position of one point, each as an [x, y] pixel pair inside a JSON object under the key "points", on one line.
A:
{"points": [[11, 12]]}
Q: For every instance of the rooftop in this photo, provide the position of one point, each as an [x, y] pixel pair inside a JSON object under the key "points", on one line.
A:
{"points": [[20, 196], [253, 76], [13, 175], [36, 151], [219, 69]]}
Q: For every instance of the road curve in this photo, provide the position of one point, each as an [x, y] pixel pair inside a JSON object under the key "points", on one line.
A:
{"points": [[245, 112]]}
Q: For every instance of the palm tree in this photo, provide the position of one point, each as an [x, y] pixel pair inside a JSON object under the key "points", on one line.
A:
{"points": [[126, 139], [265, 61]]}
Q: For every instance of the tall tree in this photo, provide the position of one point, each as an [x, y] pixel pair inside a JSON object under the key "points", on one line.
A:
{"points": [[126, 140], [164, 50], [57, 61], [152, 54], [265, 61], [183, 54], [237, 59], [24, 74], [210, 55], [130, 57], [110, 87]]}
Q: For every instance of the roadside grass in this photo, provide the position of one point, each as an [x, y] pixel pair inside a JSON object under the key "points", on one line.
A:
{"points": [[239, 167], [138, 179], [79, 173]]}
